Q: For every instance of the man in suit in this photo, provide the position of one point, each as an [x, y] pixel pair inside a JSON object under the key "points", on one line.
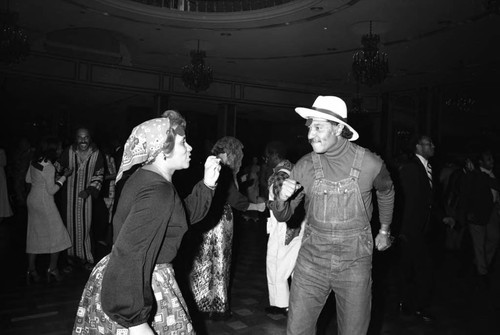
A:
{"points": [[417, 188]]}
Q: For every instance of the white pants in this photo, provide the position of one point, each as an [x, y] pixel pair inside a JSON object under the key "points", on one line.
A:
{"points": [[280, 261]]}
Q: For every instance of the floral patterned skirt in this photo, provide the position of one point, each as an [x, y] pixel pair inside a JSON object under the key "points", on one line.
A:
{"points": [[209, 277], [171, 316]]}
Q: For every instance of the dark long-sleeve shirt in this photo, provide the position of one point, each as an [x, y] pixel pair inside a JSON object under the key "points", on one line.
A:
{"points": [[150, 222], [337, 165], [476, 198]]}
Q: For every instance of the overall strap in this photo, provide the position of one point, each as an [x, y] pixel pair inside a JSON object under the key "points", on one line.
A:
{"points": [[356, 164], [318, 169]]}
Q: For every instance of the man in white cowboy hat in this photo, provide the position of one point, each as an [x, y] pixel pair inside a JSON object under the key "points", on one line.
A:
{"points": [[335, 181]]}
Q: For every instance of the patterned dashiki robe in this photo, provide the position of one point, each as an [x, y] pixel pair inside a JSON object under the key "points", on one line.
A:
{"points": [[75, 211]]}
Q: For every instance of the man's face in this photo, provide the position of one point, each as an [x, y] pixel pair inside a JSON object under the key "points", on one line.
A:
{"points": [[321, 135], [270, 159], [425, 147], [82, 139], [487, 162]]}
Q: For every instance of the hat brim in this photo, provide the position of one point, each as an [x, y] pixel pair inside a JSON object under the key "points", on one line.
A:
{"points": [[308, 113]]}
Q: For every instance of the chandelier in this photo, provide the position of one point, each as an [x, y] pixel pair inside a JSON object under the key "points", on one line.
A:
{"points": [[197, 76], [462, 104], [370, 66], [14, 44]]}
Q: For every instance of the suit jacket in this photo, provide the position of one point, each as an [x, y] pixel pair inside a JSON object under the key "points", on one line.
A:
{"points": [[417, 199], [476, 197]]}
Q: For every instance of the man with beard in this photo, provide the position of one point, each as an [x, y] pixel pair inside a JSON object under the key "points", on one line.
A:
{"points": [[84, 184], [336, 182]]}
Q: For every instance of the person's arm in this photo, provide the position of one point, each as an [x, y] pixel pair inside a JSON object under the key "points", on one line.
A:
{"points": [[126, 296], [290, 196], [198, 202], [385, 197], [385, 194], [239, 201], [51, 185], [27, 179], [63, 161], [97, 178], [235, 199]]}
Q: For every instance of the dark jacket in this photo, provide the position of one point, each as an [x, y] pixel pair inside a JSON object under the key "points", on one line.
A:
{"points": [[417, 199], [476, 197]]}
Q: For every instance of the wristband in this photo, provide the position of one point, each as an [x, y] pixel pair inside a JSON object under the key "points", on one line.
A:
{"points": [[59, 183], [210, 187], [384, 232]]}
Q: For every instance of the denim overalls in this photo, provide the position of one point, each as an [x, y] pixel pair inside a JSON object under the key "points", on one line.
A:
{"points": [[336, 254]]}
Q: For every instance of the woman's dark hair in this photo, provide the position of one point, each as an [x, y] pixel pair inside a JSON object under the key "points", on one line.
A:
{"points": [[232, 147], [47, 149], [177, 126]]}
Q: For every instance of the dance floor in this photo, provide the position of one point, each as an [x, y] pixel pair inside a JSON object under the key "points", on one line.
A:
{"points": [[460, 306]]}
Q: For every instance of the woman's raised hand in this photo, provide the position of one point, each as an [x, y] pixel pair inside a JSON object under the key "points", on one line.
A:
{"points": [[212, 171]]}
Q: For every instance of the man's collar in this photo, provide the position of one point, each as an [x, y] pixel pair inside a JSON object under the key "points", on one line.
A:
{"points": [[485, 170], [422, 159]]}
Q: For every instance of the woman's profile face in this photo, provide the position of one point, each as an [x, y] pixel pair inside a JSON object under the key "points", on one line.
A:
{"points": [[181, 154]]}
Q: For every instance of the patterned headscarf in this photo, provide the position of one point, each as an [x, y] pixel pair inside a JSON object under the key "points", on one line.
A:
{"points": [[145, 142], [280, 173]]}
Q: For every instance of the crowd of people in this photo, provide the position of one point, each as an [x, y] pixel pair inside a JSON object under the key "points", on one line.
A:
{"points": [[114, 211]]}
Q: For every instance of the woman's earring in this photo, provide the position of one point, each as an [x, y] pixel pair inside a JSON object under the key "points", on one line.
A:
{"points": [[164, 156]]}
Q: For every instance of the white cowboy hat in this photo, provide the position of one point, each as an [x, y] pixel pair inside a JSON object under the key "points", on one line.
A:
{"points": [[328, 108]]}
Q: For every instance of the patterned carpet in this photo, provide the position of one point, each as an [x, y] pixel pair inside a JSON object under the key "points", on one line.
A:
{"points": [[459, 305]]}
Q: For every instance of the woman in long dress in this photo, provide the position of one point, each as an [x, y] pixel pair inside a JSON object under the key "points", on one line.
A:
{"points": [[46, 233], [210, 274], [133, 289]]}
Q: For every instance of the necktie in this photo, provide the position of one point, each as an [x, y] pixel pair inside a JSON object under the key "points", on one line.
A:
{"points": [[429, 173]]}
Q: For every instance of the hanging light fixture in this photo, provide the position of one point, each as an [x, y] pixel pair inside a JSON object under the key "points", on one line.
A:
{"points": [[14, 45], [197, 76], [370, 66]]}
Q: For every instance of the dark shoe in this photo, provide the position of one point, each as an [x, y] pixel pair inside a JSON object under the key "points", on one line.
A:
{"points": [[273, 310], [54, 274], [32, 277], [424, 316]]}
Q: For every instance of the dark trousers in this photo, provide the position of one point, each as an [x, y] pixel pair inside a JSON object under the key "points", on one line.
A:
{"points": [[416, 268]]}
